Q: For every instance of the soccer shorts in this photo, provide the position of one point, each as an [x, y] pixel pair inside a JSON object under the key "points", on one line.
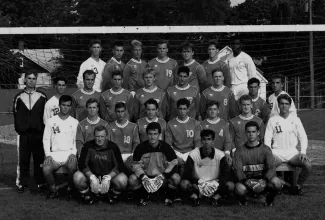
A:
{"points": [[284, 154], [239, 90], [181, 157], [128, 160], [60, 157]]}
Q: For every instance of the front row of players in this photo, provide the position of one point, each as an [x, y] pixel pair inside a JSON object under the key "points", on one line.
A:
{"points": [[156, 165]]}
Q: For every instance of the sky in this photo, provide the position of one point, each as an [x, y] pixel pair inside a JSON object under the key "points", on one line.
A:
{"points": [[236, 2]]}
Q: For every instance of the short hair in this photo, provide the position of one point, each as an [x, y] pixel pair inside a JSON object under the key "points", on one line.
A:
{"points": [[30, 73], [252, 124], [236, 37], [120, 105], [149, 70], [151, 102], [60, 78], [245, 98], [218, 70], [212, 103], [100, 128], [153, 126], [118, 44], [95, 41], [91, 101], [278, 76], [214, 42], [253, 80], [187, 45], [88, 72], [183, 101], [207, 133], [117, 72], [163, 42], [285, 97], [65, 98], [183, 69], [135, 43]]}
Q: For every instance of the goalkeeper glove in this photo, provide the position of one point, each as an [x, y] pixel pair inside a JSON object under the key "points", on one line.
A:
{"points": [[106, 182], [158, 181], [256, 185], [95, 184], [148, 184]]}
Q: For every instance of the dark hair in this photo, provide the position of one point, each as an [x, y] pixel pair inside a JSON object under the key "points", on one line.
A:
{"points": [[65, 98], [236, 37], [217, 70], [100, 128], [278, 76], [91, 101], [30, 73], [117, 73], [88, 72], [95, 41], [285, 97], [245, 98], [151, 102], [212, 103], [163, 42], [60, 78], [253, 80], [118, 44], [207, 133], [120, 105], [183, 69], [187, 45], [153, 126], [252, 124], [183, 101], [214, 42]]}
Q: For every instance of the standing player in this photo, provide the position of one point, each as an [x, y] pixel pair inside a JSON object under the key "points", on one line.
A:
{"points": [[163, 66], [183, 90], [52, 105], [237, 124], [109, 98], [277, 87], [152, 109], [241, 67], [150, 91], [93, 63], [134, 69], [59, 142], [115, 63], [28, 109], [80, 97], [216, 62], [221, 94], [283, 134]]}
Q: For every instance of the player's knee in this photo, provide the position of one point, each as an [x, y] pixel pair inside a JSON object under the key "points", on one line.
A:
{"points": [[307, 165], [120, 181], [276, 183], [47, 169], [230, 186], [184, 185], [72, 167], [79, 178], [240, 189], [176, 179], [133, 181]]}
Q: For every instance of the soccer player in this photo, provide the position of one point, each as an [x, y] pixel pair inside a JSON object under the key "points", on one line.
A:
{"points": [[152, 109], [134, 69], [52, 105], [164, 66], [197, 75], [216, 62], [283, 134], [237, 124], [93, 63], [59, 142], [254, 168], [28, 109], [220, 127], [155, 165], [277, 87], [183, 90], [85, 131], [207, 173], [221, 94], [241, 67], [150, 91], [80, 97], [109, 98]]}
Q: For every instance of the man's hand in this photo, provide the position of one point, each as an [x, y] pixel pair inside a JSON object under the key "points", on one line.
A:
{"points": [[95, 184], [148, 184], [48, 160], [228, 158], [158, 181], [106, 182], [256, 185], [303, 157], [72, 158]]}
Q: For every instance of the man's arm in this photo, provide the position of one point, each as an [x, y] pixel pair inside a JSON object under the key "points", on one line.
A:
{"points": [[302, 136], [232, 135], [73, 107], [103, 113], [137, 163], [83, 162], [203, 103], [234, 106], [224, 174], [227, 138], [80, 139], [172, 161], [268, 136], [270, 166], [262, 131], [189, 169], [226, 74], [169, 135], [251, 68], [238, 167], [197, 137], [197, 104], [47, 113], [47, 136], [126, 76], [135, 139], [107, 76], [202, 77], [80, 83], [129, 106], [163, 106]]}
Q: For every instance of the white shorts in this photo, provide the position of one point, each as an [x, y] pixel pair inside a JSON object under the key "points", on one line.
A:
{"points": [[284, 154], [182, 156], [60, 157], [125, 157], [239, 90]]}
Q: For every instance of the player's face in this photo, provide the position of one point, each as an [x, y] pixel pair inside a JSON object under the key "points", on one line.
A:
{"points": [[162, 50], [246, 106], [30, 81], [284, 106], [100, 137], [89, 81], [118, 52], [136, 52], [182, 111], [60, 87], [117, 81], [153, 136], [65, 107], [92, 109], [120, 113], [252, 134], [236, 46], [95, 49], [182, 78], [218, 78], [277, 85], [253, 89], [212, 51], [149, 79], [207, 142], [213, 111], [151, 111], [187, 54]]}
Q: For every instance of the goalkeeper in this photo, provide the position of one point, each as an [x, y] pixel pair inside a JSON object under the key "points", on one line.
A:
{"points": [[254, 168], [207, 173], [154, 167]]}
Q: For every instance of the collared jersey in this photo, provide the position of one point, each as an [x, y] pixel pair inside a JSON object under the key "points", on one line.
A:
{"points": [[111, 66], [198, 77], [142, 124], [210, 66], [133, 74]]}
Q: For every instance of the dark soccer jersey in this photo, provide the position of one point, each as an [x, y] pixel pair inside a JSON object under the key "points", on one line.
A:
{"points": [[110, 67], [217, 64], [133, 75], [198, 76], [142, 124]]}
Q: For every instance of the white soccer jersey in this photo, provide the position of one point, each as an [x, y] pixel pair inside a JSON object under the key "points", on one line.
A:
{"points": [[51, 108], [59, 139], [286, 134], [97, 67], [274, 106]]}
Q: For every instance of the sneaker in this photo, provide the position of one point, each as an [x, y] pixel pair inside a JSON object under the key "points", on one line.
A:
{"points": [[53, 195], [168, 202], [88, 199], [215, 202], [178, 199], [195, 202], [144, 201], [298, 190], [41, 188], [242, 201], [269, 203], [112, 198], [21, 189]]}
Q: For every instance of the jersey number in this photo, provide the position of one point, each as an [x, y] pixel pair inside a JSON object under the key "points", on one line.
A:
{"points": [[225, 102], [278, 129], [56, 129], [127, 139], [169, 73], [55, 111], [189, 133]]}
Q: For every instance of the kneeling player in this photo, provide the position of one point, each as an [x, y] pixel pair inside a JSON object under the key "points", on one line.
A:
{"points": [[207, 173], [155, 165], [254, 168]]}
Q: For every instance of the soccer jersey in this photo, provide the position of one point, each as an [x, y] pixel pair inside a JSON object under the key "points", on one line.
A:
{"points": [[109, 98], [59, 139], [165, 71], [111, 66], [126, 136], [284, 135], [142, 95], [189, 92], [225, 98], [133, 74], [210, 66], [260, 108], [198, 77], [142, 124], [85, 131], [220, 127], [79, 99], [183, 136], [274, 106], [237, 129], [97, 67], [51, 108]]}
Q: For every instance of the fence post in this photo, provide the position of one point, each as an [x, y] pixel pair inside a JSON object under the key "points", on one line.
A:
{"points": [[298, 89]]}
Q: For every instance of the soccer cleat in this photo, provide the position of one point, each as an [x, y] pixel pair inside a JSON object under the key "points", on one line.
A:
{"points": [[21, 189], [242, 201], [53, 195], [298, 190], [195, 202], [269, 203], [215, 202], [144, 201], [168, 202]]}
